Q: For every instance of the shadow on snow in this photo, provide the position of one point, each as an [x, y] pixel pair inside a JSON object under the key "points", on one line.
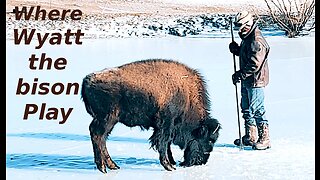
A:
{"points": [[77, 137], [73, 137], [69, 162]]}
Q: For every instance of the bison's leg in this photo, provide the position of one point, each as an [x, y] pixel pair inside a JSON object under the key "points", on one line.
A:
{"points": [[164, 158], [98, 132], [170, 157], [160, 139]]}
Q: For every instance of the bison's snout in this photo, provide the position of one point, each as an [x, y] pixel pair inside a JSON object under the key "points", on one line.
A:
{"points": [[197, 153], [198, 150]]}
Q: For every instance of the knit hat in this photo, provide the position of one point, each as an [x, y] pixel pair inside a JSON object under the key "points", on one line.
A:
{"points": [[243, 18]]}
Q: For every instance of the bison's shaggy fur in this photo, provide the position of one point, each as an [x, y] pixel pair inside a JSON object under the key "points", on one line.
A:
{"points": [[164, 95]]}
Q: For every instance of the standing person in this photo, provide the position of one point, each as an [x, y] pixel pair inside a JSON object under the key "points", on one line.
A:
{"points": [[254, 76]]}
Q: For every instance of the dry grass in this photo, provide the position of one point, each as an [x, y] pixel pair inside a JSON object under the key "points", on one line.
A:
{"points": [[125, 7]]}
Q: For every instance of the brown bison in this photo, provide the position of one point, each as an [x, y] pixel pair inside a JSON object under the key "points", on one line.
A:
{"points": [[164, 95]]}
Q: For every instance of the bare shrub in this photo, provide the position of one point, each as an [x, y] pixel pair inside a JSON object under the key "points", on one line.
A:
{"points": [[292, 15]]}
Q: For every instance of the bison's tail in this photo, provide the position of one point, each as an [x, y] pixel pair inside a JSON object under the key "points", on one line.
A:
{"points": [[99, 97], [86, 91]]}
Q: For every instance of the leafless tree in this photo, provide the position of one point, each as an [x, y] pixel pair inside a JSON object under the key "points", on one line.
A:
{"points": [[292, 15]]}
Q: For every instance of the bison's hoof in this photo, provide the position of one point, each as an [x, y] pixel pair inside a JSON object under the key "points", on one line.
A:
{"points": [[112, 165], [102, 169], [173, 168], [169, 167]]}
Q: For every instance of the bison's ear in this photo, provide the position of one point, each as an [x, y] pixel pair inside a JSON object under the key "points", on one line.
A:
{"points": [[200, 132]]}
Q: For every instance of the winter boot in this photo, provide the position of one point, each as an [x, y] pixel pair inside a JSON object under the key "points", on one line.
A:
{"points": [[249, 138], [264, 140]]}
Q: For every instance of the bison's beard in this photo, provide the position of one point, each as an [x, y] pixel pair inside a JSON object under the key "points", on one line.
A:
{"points": [[197, 152]]}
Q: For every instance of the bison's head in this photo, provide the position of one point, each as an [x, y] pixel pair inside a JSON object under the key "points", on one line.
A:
{"points": [[198, 149]]}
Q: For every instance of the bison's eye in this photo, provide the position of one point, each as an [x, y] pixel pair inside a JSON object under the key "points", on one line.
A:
{"points": [[212, 139]]}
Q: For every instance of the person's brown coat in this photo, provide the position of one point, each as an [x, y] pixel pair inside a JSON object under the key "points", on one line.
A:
{"points": [[253, 56]]}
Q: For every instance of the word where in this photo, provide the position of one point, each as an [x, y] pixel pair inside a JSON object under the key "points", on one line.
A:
{"points": [[39, 13]]}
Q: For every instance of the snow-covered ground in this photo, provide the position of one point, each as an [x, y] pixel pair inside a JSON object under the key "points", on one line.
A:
{"points": [[42, 149], [48, 150]]}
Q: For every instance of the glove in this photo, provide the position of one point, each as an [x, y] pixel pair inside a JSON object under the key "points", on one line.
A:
{"points": [[234, 48], [237, 76]]}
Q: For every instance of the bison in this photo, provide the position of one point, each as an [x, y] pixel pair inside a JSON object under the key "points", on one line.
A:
{"points": [[161, 94]]}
